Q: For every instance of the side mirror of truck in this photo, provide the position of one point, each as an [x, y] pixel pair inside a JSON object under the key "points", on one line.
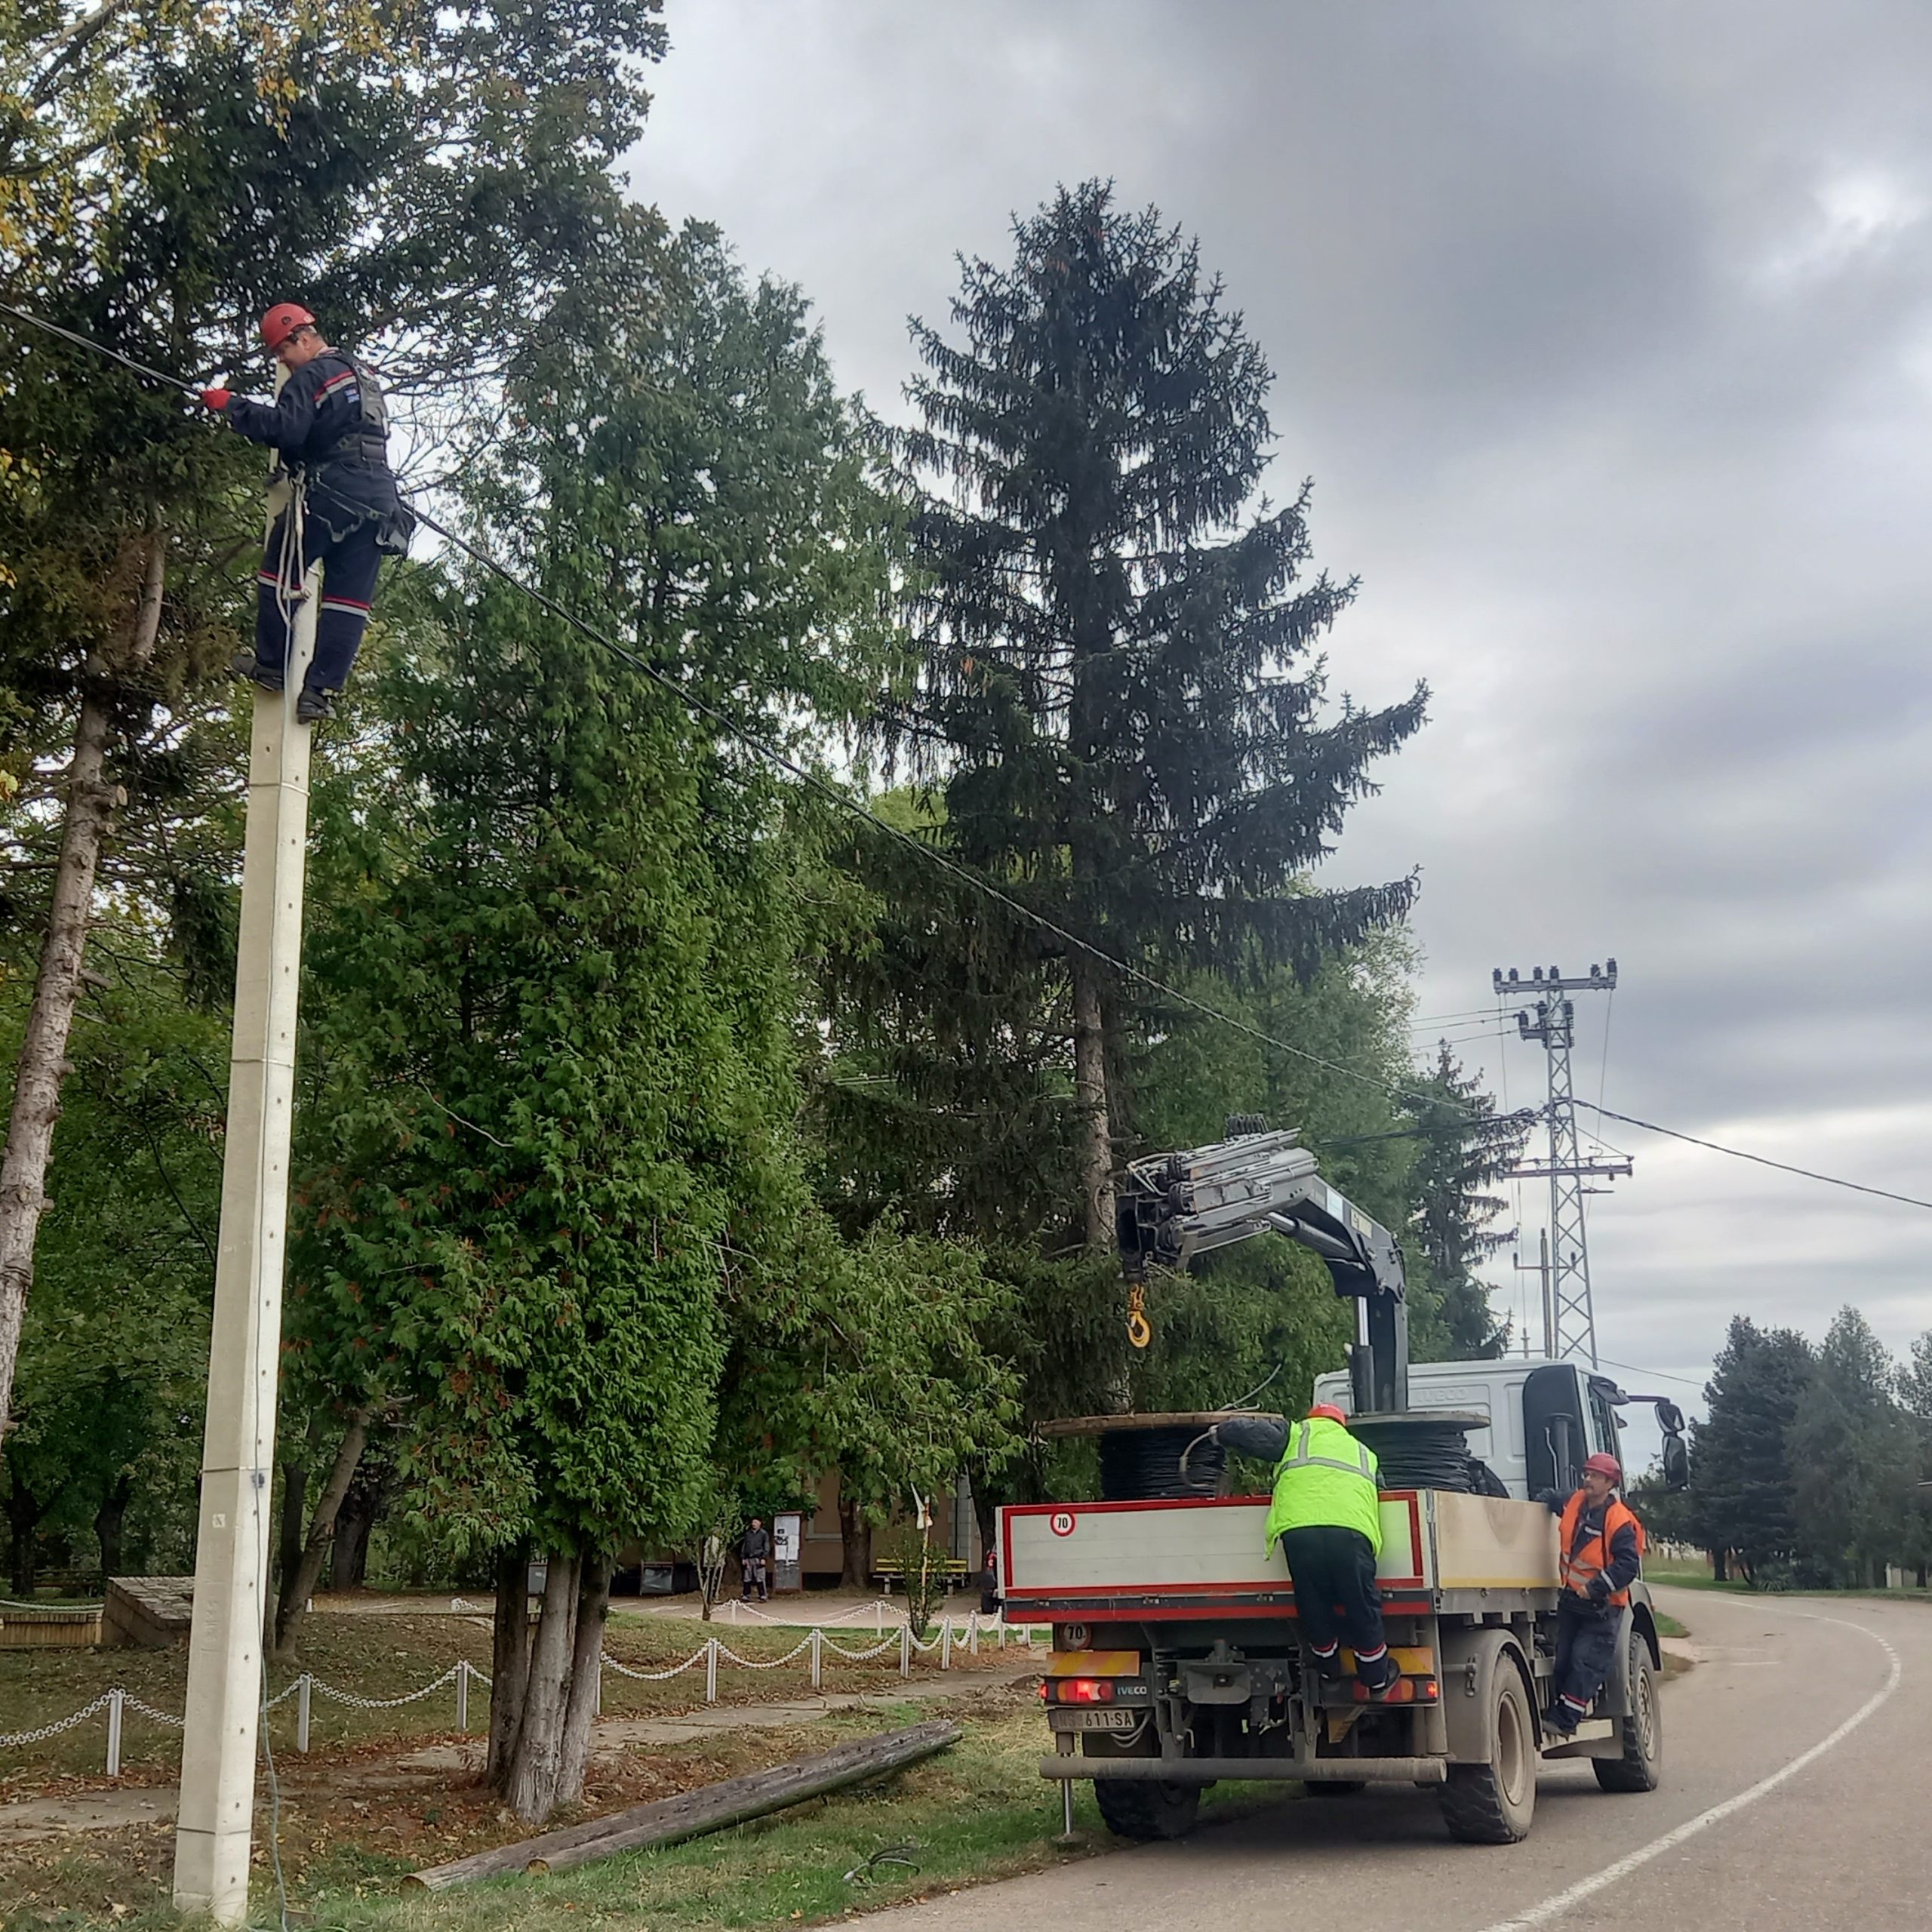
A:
{"points": [[1676, 1462]]}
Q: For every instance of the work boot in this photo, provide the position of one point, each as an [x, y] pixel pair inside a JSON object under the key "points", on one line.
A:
{"points": [[1381, 1677], [313, 705], [245, 664], [1328, 1668]]}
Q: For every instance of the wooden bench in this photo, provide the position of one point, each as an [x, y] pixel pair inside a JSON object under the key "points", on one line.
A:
{"points": [[955, 1571]]}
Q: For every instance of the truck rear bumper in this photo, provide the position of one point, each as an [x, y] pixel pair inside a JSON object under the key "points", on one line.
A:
{"points": [[1214, 1771]]}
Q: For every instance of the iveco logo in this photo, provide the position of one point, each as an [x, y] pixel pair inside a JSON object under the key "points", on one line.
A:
{"points": [[1061, 1522]]}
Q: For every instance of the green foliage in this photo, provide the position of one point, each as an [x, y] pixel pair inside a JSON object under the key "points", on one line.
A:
{"points": [[1853, 1458], [878, 1357], [108, 1405], [1462, 1151], [1119, 636], [1741, 1451]]}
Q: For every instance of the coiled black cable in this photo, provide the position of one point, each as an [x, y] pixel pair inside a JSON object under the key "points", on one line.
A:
{"points": [[1141, 1465], [1418, 1451]]}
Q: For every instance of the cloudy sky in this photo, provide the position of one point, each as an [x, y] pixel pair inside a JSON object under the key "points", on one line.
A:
{"points": [[1606, 335]]}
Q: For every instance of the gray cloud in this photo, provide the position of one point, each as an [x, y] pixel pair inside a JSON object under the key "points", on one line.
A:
{"points": [[1608, 339]]}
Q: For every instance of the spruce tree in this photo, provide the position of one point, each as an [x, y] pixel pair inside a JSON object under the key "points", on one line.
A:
{"points": [[1743, 1475], [1465, 1149], [1121, 695]]}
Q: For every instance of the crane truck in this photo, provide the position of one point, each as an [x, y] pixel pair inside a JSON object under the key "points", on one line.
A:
{"points": [[1176, 1662]]}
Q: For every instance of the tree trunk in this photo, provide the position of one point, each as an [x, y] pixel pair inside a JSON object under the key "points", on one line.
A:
{"points": [[855, 1546], [1720, 1572], [348, 1557], [43, 1064], [23, 1516], [509, 1662], [593, 1611], [108, 1521], [1094, 1128], [294, 1502], [533, 1774], [289, 1611]]}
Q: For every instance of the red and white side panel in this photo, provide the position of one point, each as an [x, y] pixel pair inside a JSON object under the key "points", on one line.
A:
{"points": [[1191, 1553]]}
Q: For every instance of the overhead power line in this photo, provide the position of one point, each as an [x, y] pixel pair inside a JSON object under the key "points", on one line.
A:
{"points": [[845, 802], [1757, 1160]]}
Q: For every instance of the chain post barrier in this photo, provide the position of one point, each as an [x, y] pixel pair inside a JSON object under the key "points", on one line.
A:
{"points": [[303, 1685], [115, 1699], [906, 1648], [946, 1644], [463, 1696], [818, 1659], [710, 1671]]}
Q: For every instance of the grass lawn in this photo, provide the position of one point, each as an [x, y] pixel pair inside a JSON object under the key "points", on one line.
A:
{"points": [[388, 1657], [978, 1812]]}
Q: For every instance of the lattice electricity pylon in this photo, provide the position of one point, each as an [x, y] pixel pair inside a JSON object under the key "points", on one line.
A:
{"points": [[1553, 1022]]}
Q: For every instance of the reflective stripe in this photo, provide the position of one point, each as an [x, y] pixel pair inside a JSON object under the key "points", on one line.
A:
{"points": [[1301, 1459]]}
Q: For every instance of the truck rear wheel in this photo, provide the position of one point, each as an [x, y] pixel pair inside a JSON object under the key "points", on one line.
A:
{"points": [[1493, 1803], [1133, 1809], [1642, 1731]]}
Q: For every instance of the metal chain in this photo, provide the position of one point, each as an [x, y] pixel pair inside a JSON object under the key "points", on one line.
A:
{"points": [[17, 1739], [133, 1703], [653, 1676], [859, 1657], [382, 1703], [768, 1663]]}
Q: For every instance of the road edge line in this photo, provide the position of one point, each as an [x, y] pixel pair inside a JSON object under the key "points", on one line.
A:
{"points": [[1561, 1901]]}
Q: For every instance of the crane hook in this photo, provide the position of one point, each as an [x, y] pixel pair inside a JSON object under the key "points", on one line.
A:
{"points": [[1140, 1331]]}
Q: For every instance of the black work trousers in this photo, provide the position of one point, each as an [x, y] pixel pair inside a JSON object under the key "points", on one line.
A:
{"points": [[340, 533], [1585, 1652], [1333, 1571]]}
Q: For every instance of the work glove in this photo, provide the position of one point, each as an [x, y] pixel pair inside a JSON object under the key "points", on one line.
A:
{"points": [[1600, 1591], [218, 399]]}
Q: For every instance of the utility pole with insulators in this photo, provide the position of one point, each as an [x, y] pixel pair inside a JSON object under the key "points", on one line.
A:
{"points": [[214, 1824], [1551, 1021]]}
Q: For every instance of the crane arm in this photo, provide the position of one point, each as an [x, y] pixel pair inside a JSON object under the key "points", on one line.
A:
{"points": [[1173, 1208]]}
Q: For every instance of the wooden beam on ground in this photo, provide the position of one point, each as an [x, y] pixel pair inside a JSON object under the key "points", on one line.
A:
{"points": [[691, 1814]]}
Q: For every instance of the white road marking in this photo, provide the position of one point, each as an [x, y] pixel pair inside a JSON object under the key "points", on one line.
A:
{"points": [[1555, 1907]]}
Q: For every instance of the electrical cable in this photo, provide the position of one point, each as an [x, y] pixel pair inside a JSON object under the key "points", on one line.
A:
{"points": [[100, 349], [964, 874], [1141, 1465], [1418, 1451], [1655, 1374], [1757, 1160]]}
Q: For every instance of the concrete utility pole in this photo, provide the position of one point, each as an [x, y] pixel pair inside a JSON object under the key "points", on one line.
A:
{"points": [[225, 1673], [1571, 1319]]}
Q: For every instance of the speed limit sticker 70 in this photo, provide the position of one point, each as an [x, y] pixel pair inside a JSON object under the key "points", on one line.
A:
{"points": [[1061, 1522]]}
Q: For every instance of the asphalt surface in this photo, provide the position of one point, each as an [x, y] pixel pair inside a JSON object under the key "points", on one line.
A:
{"points": [[1755, 1828]]}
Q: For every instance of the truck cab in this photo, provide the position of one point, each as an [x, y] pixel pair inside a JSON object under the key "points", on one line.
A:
{"points": [[1544, 1417]]}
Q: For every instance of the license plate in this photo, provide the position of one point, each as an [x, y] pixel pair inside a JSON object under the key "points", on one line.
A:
{"points": [[1096, 1720]]}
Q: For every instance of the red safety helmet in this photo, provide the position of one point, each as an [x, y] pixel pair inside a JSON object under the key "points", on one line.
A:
{"points": [[1601, 1465], [282, 322], [1327, 1412]]}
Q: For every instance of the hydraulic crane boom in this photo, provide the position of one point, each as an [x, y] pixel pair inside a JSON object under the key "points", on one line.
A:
{"points": [[1174, 1206]]}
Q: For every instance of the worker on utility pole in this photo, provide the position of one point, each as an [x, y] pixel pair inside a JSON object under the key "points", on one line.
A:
{"points": [[330, 428], [1327, 1512], [1600, 1550]]}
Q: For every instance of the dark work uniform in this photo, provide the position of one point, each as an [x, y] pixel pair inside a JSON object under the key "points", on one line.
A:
{"points": [[319, 427], [1588, 1627], [1332, 1568], [755, 1553]]}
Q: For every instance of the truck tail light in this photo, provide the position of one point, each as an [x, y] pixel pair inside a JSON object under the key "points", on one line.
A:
{"points": [[1086, 1690]]}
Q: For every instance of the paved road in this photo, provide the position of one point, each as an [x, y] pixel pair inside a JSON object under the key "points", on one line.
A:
{"points": [[1842, 1839]]}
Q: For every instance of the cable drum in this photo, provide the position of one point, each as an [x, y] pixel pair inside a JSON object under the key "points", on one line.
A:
{"points": [[1142, 1465], [1425, 1449], [1140, 1455]]}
